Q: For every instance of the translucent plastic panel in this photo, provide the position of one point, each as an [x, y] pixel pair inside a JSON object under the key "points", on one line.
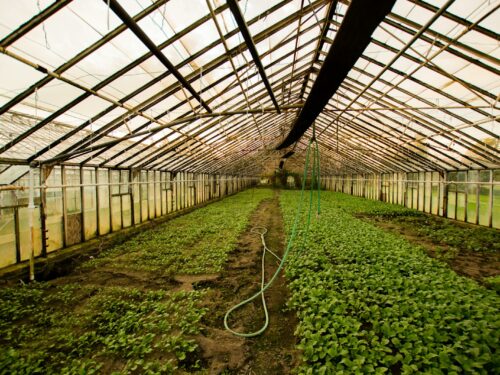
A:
{"points": [[19, 14], [89, 204], [15, 77], [29, 238], [496, 200], [7, 237], [54, 210], [484, 198], [180, 14], [144, 196], [103, 202], [51, 48]]}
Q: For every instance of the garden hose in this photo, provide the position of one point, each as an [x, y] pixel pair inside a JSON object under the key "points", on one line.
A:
{"points": [[262, 231]]}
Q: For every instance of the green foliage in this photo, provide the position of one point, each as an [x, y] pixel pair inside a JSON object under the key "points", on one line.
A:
{"points": [[493, 282], [191, 244], [128, 326], [79, 329], [370, 302], [437, 229]]}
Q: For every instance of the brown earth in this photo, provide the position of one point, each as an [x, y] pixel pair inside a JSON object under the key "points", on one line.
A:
{"points": [[473, 264], [219, 351], [274, 351]]}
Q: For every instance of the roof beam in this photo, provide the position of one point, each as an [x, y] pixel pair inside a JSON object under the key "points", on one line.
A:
{"points": [[242, 25], [77, 58], [361, 20], [33, 22], [132, 25], [326, 26]]}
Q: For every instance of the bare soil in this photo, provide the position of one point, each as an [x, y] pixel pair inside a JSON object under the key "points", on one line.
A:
{"points": [[274, 351], [476, 265], [219, 351]]}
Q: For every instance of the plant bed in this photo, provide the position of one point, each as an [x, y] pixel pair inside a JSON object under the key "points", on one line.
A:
{"points": [[470, 250], [123, 311], [369, 301]]}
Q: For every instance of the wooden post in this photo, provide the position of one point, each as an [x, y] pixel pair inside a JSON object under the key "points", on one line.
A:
{"points": [[490, 201], [445, 194], [82, 207], [110, 201], [97, 202], [478, 193], [466, 195], [131, 195], [44, 174], [16, 231], [120, 181], [64, 205], [380, 195]]}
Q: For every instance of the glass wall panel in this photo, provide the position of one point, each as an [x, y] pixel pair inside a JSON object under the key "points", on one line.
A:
{"points": [[126, 203], [461, 189], [54, 222], [144, 195], [104, 212], [89, 204], [116, 212], [472, 197], [7, 236], [496, 200], [484, 198]]}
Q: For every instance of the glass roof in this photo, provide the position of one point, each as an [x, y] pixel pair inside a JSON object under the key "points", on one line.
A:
{"points": [[79, 85]]}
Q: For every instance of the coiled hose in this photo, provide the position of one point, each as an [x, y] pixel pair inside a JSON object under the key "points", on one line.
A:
{"points": [[315, 179]]}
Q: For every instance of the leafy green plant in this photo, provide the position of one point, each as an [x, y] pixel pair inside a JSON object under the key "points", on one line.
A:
{"points": [[54, 328], [369, 302]]}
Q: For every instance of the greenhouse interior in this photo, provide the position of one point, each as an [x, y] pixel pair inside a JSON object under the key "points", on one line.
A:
{"points": [[249, 187]]}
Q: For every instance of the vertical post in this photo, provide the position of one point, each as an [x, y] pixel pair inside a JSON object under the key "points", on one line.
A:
{"points": [[16, 231], [120, 181], [82, 205], [110, 200], [154, 193], [478, 195], [131, 195], [424, 193], [31, 207], [431, 184], [418, 190], [64, 205], [97, 202], [466, 199], [445, 194], [380, 194], [44, 174], [490, 201]]}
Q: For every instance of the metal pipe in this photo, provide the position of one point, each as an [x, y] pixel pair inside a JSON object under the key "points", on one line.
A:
{"points": [[31, 207], [240, 20], [354, 34], [132, 25]]}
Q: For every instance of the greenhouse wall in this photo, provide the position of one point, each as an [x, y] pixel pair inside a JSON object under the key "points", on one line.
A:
{"points": [[74, 205], [471, 196]]}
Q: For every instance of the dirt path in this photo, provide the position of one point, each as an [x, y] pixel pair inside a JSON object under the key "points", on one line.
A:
{"points": [[273, 352]]}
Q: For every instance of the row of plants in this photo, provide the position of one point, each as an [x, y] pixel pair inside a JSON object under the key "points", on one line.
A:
{"points": [[370, 302], [439, 230], [74, 329], [191, 244], [62, 327]]}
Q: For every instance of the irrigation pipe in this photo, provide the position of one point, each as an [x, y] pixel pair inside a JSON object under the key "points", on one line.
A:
{"points": [[262, 231]]}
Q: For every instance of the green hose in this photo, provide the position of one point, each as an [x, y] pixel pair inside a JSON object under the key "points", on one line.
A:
{"points": [[262, 231]]}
